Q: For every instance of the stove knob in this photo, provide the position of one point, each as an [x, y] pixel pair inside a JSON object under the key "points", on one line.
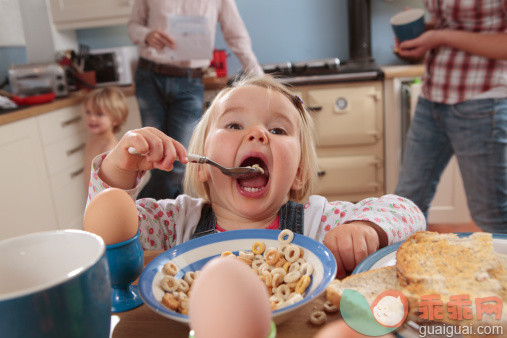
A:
{"points": [[341, 103]]}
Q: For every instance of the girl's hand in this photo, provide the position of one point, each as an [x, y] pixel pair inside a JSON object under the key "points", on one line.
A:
{"points": [[350, 243], [159, 39], [119, 168]]}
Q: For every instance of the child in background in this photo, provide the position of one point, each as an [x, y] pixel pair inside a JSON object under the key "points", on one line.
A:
{"points": [[256, 121], [105, 111]]}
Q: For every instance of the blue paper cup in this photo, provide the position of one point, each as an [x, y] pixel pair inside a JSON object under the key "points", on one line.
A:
{"points": [[408, 25], [54, 284]]}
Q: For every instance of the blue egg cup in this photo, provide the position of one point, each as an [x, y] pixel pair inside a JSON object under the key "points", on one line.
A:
{"points": [[126, 260]]}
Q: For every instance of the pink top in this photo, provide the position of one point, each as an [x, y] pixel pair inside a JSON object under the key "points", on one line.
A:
{"points": [[166, 223], [148, 15]]}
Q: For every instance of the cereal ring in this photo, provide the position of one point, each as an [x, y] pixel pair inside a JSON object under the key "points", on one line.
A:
{"points": [[279, 271], [183, 286], [282, 239], [292, 285], [281, 261], [256, 264], [302, 252], [189, 277], [294, 267], [258, 248], [272, 256], [277, 280], [318, 318], [180, 295], [184, 303], [170, 269], [292, 277], [306, 269], [245, 260], [169, 284], [276, 302], [330, 308], [301, 261], [171, 302], [268, 279], [293, 298], [227, 253], [247, 254], [264, 268], [184, 312], [282, 291], [286, 266], [283, 247], [303, 284], [267, 250], [292, 253]]}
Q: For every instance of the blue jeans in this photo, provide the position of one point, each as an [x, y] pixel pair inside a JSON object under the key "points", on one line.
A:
{"points": [[172, 105], [476, 131]]}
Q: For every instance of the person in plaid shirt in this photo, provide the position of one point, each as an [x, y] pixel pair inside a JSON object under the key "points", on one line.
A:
{"points": [[462, 109]]}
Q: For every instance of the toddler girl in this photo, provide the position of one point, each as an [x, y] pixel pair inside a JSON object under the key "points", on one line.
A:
{"points": [[105, 111], [256, 121]]}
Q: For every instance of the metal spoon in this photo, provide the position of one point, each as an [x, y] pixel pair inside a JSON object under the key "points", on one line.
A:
{"points": [[236, 172]]}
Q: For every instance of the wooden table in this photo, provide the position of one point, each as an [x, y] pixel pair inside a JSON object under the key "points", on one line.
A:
{"points": [[143, 322]]}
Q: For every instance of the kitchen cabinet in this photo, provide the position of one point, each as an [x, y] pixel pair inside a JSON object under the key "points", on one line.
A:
{"points": [[63, 136], [76, 14], [42, 175], [26, 203], [449, 204], [348, 120]]}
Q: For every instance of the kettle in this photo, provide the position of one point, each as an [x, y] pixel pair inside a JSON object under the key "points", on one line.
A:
{"points": [[219, 62]]}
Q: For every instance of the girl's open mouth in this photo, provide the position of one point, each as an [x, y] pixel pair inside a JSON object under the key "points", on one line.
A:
{"points": [[256, 184]]}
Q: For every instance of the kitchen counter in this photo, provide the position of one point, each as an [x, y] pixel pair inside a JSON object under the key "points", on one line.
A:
{"points": [[77, 97], [391, 72]]}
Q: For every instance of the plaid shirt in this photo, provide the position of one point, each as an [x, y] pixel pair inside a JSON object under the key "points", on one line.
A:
{"points": [[453, 75]]}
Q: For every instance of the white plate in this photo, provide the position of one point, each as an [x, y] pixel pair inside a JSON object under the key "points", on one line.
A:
{"points": [[192, 255], [387, 256]]}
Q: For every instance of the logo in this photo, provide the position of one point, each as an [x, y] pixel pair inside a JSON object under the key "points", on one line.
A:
{"points": [[387, 312], [390, 308]]}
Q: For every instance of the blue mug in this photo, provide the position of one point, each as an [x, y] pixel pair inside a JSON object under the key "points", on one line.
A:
{"points": [[55, 284], [408, 25]]}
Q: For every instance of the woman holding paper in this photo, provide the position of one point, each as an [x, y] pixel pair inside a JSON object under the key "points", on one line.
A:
{"points": [[168, 81]]}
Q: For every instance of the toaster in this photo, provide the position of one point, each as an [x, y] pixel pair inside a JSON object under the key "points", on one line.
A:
{"points": [[35, 79]]}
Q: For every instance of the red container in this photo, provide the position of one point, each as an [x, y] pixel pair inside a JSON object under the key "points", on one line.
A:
{"points": [[219, 62]]}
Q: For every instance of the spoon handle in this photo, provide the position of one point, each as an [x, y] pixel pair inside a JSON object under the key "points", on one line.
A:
{"points": [[191, 157]]}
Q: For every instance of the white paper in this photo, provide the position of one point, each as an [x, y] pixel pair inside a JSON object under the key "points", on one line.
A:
{"points": [[192, 37]]}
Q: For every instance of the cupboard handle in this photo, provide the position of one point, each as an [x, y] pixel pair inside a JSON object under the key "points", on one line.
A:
{"points": [[71, 121], [76, 173], [314, 109], [321, 173], [76, 149]]}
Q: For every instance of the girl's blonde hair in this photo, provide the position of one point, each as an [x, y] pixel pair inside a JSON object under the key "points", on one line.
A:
{"points": [[308, 165], [111, 101]]}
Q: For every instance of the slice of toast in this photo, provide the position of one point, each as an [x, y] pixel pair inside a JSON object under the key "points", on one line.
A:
{"points": [[369, 283], [476, 277], [429, 263]]}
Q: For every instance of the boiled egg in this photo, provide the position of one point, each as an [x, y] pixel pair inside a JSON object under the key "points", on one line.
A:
{"points": [[112, 215], [228, 300]]}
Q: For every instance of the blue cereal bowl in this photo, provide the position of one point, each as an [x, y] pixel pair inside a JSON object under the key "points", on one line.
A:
{"points": [[54, 284]]}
